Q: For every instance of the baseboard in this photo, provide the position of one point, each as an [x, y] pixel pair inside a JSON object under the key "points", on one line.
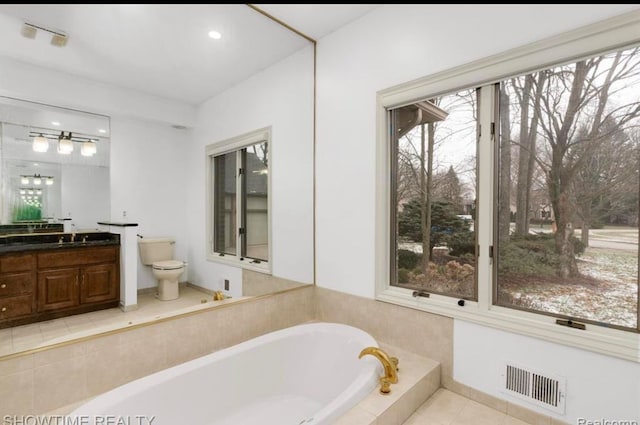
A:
{"points": [[199, 288], [517, 411], [127, 308]]}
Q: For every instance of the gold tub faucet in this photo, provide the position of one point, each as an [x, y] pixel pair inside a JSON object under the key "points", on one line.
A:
{"points": [[390, 365]]}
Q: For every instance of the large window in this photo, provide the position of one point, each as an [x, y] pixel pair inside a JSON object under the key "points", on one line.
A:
{"points": [[433, 195], [568, 166], [515, 203], [239, 201]]}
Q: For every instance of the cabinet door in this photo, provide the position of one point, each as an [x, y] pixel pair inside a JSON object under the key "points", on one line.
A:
{"points": [[16, 306], [58, 289], [16, 284], [99, 283]]}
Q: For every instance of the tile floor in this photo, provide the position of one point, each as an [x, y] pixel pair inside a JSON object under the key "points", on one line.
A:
{"points": [[26, 337], [448, 408]]}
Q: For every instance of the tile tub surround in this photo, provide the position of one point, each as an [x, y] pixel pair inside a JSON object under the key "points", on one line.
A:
{"points": [[428, 335], [255, 283], [59, 379], [418, 379], [40, 382]]}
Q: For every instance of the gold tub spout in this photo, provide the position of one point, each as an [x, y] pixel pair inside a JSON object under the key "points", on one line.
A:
{"points": [[218, 296], [390, 365]]}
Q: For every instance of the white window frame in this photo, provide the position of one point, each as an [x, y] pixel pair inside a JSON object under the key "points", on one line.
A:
{"points": [[235, 144], [605, 36]]}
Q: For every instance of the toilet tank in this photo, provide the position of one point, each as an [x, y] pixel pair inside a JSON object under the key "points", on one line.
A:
{"points": [[155, 249]]}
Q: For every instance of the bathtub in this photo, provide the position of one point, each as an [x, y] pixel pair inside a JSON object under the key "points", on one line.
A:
{"points": [[305, 374]]}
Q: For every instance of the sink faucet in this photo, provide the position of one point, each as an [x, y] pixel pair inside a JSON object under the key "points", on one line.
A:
{"points": [[390, 365], [84, 239], [73, 237]]}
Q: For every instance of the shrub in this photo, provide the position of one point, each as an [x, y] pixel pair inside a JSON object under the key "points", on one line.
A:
{"points": [[408, 259], [533, 254], [403, 276], [462, 243]]}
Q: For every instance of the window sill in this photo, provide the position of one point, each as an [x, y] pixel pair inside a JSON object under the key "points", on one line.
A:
{"points": [[599, 339], [233, 261]]}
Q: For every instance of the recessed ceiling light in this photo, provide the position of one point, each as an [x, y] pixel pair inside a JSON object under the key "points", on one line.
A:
{"points": [[56, 123], [102, 130], [215, 35]]}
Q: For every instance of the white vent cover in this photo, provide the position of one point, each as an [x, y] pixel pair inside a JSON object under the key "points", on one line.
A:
{"points": [[542, 389]]}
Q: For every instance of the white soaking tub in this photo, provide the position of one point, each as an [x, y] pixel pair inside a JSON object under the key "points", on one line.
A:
{"points": [[306, 374]]}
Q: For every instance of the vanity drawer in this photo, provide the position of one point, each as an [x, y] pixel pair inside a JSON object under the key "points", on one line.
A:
{"points": [[16, 284], [16, 306], [17, 263], [76, 257]]}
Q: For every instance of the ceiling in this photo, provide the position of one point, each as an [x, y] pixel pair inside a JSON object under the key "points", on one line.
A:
{"points": [[164, 50]]}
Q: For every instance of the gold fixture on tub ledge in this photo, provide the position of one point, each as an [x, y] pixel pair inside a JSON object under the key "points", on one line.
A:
{"points": [[218, 296], [390, 365]]}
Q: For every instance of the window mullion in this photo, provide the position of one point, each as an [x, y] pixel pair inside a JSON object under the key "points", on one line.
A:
{"points": [[484, 211], [239, 205]]}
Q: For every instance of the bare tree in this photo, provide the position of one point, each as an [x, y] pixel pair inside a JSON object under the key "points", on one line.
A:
{"points": [[504, 195], [578, 95], [529, 91]]}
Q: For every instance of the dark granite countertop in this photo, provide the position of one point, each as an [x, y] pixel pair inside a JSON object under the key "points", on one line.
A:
{"points": [[37, 242]]}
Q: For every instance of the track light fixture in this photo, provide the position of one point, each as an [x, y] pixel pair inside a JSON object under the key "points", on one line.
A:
{"points": [[58, 38], [36, 179], [65, 143]]}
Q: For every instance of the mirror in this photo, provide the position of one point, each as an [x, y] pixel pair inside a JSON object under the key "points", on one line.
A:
{"points": [[152, 153], [44, 188]]}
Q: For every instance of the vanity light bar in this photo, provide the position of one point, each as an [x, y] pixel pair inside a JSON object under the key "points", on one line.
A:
{"points": [[65, 145], [36, 179]]}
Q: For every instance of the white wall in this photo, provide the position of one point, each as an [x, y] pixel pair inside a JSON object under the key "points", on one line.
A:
{"points": [[389, 46], [34, 83], [83, 189], [281, 97], [597, 386], [147, 172], [148, 179], [393, 45]]}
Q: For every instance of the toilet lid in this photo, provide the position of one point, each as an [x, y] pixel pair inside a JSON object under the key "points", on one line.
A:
{"points": [[168, 265]]}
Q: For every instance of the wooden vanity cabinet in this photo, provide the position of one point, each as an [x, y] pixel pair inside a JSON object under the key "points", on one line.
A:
{"points": [[59, 282], [17, 286]]}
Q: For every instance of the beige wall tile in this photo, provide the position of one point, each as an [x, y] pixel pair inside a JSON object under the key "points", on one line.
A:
{"points": [[488, 400], [183, 340], [513, 421], [16, 393], [411, 400], [56, 354], [60, 383], [106, 368], [16, 364], [255, 284], [145, 350], [428, 335], [527, 415]]}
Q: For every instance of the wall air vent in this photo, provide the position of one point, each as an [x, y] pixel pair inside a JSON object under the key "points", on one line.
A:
{"points": [[540, 389]]}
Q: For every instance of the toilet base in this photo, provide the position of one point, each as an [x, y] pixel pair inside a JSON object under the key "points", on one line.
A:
{"points": [[168, 290]]}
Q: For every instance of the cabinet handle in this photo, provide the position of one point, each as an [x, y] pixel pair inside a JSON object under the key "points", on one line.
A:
{"points": [[4, 285], [4, 309]]}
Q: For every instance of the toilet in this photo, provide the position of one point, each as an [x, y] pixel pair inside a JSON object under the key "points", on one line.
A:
{"points": [[158, 253]]}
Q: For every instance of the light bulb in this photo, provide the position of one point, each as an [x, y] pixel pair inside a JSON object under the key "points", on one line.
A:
{"points": [[88, 148], [40, 144], [65, 146]]}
